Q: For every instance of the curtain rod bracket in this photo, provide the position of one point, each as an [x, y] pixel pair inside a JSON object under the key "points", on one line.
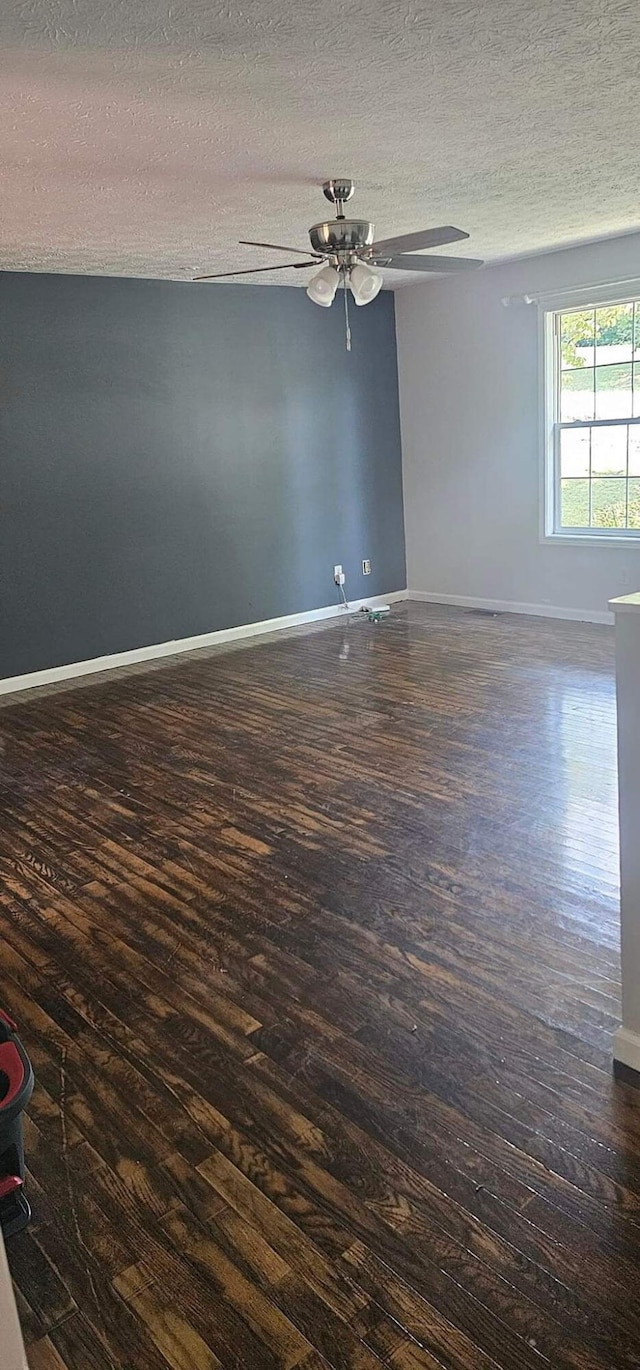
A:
{"points": [[508, 300]]}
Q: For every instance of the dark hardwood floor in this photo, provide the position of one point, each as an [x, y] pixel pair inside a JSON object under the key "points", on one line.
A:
{"points": [[314, 946]]}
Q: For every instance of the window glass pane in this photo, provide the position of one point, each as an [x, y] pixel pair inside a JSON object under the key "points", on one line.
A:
{"points": [[577, 399], [596, 472], [614, 333], [574, 451], [634, 450], [613, 392], [609, 451], [574, 504], [577, 338], [634, 504], [608, 503]]}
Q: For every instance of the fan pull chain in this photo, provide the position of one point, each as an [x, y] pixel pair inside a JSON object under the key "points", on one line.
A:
{"points": [[346, 310]]}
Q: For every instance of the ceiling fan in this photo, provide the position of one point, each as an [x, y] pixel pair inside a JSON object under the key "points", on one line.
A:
{"points": [[350, 254]]}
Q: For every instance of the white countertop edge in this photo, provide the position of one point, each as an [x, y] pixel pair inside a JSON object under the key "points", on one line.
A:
{"points": [[626, 604]]}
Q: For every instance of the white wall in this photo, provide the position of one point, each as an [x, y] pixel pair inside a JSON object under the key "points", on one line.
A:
{"points": [[469, 405]]}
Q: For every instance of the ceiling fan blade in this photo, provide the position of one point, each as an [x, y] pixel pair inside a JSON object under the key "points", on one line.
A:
{"points": [[251, 270], [413, 242], [277, 247], [408, 263]]}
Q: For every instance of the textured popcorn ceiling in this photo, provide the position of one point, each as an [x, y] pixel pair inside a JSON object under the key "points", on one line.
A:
{"points": [[144, 137]]}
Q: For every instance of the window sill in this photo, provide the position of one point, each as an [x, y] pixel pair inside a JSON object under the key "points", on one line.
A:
{"points": [[629, 540]]}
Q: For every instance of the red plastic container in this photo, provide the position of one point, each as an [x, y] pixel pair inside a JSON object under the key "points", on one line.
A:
{"points": [[16, 1088]]}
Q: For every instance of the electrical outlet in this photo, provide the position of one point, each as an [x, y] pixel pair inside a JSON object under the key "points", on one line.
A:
{"points": [[337, 571], [366, 567]]}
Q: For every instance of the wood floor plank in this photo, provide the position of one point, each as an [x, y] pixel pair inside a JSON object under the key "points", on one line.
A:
{"points": [[314, 945], [181, 1345], [43, 1356]]}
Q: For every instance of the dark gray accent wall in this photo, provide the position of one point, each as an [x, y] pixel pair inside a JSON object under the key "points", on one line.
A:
{"points": [[179, 458]]}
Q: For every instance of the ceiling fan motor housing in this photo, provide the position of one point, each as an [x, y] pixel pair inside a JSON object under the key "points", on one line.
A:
{"points": [[342, 235]]}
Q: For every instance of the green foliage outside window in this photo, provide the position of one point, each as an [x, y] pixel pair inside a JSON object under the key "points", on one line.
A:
{"points": [[610, 326]]}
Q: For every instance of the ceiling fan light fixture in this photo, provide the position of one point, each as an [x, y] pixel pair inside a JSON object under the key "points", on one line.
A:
{"points": [[365, 283], [322, 287]]}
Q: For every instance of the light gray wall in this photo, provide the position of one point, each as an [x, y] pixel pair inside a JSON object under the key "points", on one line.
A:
{"points": [[178, 458], [469, 402]]}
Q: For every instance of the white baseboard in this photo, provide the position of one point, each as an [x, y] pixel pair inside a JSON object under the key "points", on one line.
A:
{"points": [[626, 1047], [509, 606], [52, 675]]}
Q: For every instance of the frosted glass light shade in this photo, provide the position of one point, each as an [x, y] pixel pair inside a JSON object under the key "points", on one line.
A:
{"points": [[322, 287], [365, 283]]}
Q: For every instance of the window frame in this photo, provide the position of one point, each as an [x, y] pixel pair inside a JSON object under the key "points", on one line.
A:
{"points": [[549, 311]]}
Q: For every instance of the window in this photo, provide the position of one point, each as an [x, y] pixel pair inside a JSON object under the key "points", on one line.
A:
{"points": [[592, 421]]}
